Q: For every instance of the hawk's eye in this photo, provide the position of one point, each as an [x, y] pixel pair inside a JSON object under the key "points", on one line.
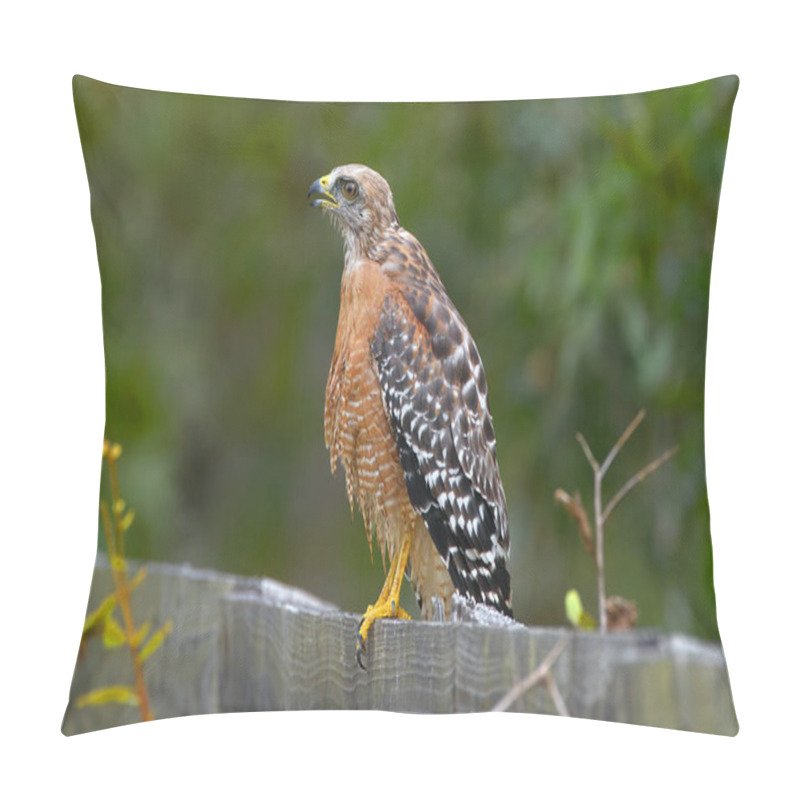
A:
{"points": [[350, 190]]}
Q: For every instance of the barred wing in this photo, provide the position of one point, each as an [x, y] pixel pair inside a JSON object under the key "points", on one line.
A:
{"points": [[434, 392]]}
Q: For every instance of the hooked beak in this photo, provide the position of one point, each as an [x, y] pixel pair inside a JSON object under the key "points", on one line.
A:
{"points": [[318, 194]]}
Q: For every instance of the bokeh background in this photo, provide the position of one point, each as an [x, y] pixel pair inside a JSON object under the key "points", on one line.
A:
{"points": [[575, 236]]}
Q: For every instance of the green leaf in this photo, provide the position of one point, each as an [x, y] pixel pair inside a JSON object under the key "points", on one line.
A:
{"points": [[127, 520], [587, 622], [113, 635], [575, 613], [97, 617], [573, 606], [109, 694], [156, 640]]}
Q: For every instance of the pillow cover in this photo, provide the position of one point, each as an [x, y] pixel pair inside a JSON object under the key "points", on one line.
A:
{"points": [[573, 236]]}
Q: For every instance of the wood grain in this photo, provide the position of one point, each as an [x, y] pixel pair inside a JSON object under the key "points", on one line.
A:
{"points": [[247, 644]]}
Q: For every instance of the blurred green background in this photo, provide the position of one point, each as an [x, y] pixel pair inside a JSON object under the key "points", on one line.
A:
{"points": [[575, 237]]}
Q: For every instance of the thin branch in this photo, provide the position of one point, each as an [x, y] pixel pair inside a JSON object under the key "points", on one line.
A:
{"points": [[574, 507], [587, 450], [108, 528], [121, 585], [115, 495], [555, 693], [124, 602], [597, 470], [540, 674], [626, 434], [637, 478], [599, 549], [573, 504]]}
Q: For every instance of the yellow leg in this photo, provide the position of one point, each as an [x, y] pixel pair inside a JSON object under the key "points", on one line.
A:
{"points": [[388, 602]]}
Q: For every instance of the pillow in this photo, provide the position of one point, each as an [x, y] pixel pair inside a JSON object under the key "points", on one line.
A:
{"points": [[574, 237]]}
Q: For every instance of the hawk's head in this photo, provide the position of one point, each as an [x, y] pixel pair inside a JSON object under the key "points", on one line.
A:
{"points": [[360, 200]]}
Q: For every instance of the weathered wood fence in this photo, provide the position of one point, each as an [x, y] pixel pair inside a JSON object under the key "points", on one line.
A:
{"points": [[247, 644]]}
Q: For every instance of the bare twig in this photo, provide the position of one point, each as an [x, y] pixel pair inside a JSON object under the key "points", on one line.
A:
{"points": [[587, 450], [598, 522], [539, 675], [555, 693], [637, 478], [626, 434], [574, 506], [599, 549], [601, 515]]}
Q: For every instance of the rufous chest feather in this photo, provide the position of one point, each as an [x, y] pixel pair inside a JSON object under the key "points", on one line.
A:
{"points": [[363, 290], [357, 430]]}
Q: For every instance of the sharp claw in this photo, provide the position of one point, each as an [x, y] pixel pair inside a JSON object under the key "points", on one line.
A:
{"points": [[359, 653], [361, 644]]}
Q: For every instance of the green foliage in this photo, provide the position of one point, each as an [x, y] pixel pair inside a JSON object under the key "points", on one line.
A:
{"points": [[573, 605], [155, 641], [125, 695], [113, 635], [574, 236], [116, 521]]}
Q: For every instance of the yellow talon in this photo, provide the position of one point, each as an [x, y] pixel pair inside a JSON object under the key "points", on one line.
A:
{"points": [[388, 603]]}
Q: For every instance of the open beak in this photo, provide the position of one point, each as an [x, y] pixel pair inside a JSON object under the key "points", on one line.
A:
{"points": [[318, 194]]}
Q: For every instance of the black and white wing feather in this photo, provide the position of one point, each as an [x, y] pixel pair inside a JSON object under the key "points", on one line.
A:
{"points": [[434, 391]]}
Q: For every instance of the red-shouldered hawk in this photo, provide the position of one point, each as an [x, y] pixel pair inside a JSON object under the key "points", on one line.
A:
{"points": [[407, 413]]}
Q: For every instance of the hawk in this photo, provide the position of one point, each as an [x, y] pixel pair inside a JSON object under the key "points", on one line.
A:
{"points": [[407, 413]]}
